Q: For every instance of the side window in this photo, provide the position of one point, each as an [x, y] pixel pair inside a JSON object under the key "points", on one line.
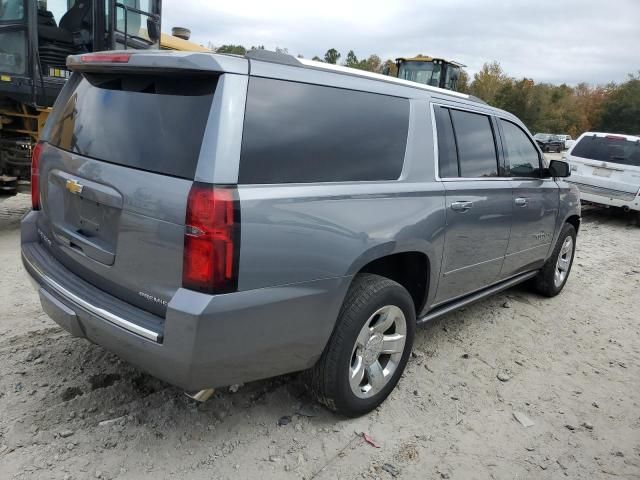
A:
{"points": [[447, 152], [522, 157], [302, 133], [476, 145]]}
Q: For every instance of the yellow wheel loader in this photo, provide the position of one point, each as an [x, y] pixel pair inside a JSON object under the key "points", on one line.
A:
{"points": [[433, 71]]}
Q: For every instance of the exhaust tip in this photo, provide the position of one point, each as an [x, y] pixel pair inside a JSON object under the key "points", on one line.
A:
{"points": [[201, 396], [181, 32]]}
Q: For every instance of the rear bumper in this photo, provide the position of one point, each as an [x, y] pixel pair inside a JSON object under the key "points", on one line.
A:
{"points": [[608, 197], [204, 341]]}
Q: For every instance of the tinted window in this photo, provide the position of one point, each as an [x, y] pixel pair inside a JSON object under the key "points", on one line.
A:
{"points": [[608, 149], [296, 132], [447, 156], [153, 123], [11, 10], [522, 156], [13, 52], [476, 146]]}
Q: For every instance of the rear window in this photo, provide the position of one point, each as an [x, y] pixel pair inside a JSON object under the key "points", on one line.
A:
{"points": [[301, 133], [149, 122], [476, 145], [608, 149], [447, 150]]}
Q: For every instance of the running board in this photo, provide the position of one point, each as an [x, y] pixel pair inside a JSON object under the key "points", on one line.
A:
{"points": [[469, 299]]}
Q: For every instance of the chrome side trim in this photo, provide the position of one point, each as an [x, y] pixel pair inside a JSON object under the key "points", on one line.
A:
{"points": [[450, 307], [108, 316]]}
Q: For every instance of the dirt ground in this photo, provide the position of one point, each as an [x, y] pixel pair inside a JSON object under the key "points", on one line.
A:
{"points": [[71, 410]]}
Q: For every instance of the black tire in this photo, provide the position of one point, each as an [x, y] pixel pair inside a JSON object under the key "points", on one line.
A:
{"points": [[544, 282], [328, 380]]}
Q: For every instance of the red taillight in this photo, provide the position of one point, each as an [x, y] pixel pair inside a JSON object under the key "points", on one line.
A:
{"points": [[105, 58], [35, 176], [211, 240]]}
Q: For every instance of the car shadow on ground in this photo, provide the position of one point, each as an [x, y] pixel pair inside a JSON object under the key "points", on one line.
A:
{"points": [[610, 216]]}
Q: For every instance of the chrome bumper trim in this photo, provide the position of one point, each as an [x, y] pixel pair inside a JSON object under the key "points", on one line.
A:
{"points": [[105, 315]]}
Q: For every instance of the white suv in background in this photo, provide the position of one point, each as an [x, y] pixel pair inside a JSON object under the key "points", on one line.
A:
{"points": [[568, 141], [606, 169]]}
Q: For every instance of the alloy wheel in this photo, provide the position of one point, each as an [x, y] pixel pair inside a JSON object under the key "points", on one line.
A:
{"points": [[377, 351]]}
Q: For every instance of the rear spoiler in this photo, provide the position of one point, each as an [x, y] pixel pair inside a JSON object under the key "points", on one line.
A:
{"points": [[135, 61]]}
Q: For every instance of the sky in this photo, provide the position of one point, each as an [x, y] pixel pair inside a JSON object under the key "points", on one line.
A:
{"points": [[557, 41]]}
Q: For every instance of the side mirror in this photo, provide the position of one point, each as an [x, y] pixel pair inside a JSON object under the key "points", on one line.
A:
{"points": [[153, 29], [559, 169]]}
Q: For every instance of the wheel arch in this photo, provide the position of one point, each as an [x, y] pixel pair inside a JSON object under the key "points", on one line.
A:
{"points": [[410, 267], [574, 220]]}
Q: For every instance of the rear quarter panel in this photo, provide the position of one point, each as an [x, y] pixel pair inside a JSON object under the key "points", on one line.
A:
{"points": [[293, 233]]}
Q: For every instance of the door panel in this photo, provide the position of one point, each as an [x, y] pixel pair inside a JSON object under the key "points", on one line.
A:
{"points": [[479, 215], [535, 208]]}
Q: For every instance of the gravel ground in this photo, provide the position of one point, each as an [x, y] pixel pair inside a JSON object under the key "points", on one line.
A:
{"points": [[570, 365]]}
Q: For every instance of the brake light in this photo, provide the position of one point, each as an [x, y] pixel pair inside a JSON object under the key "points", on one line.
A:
{"points": [[35, 176], [211, 240], [105, 58]]}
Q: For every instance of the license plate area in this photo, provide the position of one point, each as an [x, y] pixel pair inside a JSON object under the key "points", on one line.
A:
{"points": [[602, 172], [85, 216]]}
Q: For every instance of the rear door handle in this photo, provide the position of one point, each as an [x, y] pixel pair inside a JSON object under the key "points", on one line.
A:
{"points": [[461, 206], [521, 202]]}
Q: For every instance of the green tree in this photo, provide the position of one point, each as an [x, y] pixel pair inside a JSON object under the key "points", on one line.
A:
{"points": [[488, 82], [235, 49], [351, 60], [317, 59], [332, 56], [390, 67], [621, 108], [463, 81], [372, 64]]}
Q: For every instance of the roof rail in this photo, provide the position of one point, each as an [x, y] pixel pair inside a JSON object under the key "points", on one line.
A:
{"points": [[286, 59], [272, 57], [379, 77]]}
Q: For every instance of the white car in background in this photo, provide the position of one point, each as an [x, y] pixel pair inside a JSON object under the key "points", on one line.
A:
{"points": [[568, 141], [606, 169]]}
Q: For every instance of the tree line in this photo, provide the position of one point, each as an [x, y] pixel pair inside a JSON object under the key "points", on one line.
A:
{"points": [[543, 107]]}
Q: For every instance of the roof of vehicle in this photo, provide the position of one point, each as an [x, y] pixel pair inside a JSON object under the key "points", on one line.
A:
{"points": [[214, 62], [631, 138], [267, 63]]}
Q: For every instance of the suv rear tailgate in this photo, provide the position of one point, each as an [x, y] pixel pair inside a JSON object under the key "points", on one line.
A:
{"points": [[607, 165], [119, 157]]}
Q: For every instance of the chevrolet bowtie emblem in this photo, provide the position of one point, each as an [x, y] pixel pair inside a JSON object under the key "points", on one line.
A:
{"points": [[74, 187]]}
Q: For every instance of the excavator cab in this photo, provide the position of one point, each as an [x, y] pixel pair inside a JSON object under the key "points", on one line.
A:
{"points": [[36, 36], [436, 72]]}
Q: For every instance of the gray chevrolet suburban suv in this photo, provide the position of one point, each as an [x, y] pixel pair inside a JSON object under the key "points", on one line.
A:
{"points": [[219, 219]]}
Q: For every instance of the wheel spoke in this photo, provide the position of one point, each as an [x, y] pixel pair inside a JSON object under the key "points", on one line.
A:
{"points": [[563, 264], [393, 343], [375, 373], [387, 318], [363, 337], [356, 373]]}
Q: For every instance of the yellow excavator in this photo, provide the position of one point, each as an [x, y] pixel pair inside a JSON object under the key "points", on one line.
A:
{"points": [[437, 72], [36, 36]]}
